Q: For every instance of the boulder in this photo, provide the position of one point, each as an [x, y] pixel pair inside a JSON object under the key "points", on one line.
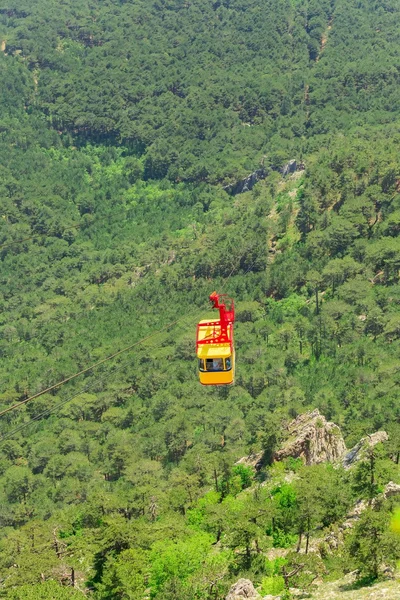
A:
{"points": [[391, 489], [359, 451], [243, 589], [314, 439]]}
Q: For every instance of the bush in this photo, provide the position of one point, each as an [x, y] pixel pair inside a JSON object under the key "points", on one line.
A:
{"points": [[272, 585]]}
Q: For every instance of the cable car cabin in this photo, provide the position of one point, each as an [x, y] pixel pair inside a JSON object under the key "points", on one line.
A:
{"points": [[216, 360], [214, 344]]}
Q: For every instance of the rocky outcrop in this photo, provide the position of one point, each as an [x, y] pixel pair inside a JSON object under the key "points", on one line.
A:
{"points": [[391, 489], [243, 589], [335, 537], [254, 460], [246, 184], [314, 439], [359, 451], [289, 168]]}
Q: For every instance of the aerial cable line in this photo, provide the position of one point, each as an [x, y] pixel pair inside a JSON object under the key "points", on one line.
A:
{"points": [[100, 362], [107, 358], [60, 404]]}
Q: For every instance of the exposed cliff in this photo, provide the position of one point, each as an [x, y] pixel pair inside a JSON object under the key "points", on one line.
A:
{"points": [[359, 451], [247, 183], [314, 439]]}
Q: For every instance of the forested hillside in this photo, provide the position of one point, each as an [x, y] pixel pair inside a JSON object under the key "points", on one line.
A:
{"points": [[121, 123]]}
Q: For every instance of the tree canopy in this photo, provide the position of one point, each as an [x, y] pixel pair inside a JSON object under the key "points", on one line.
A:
{"points": [[121, 126]]}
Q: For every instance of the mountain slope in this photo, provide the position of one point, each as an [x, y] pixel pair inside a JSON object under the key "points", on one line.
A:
{"points": [[120, 125]]}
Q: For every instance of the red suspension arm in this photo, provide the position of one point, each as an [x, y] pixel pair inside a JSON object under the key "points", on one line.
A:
{"points": [[226, 309]]}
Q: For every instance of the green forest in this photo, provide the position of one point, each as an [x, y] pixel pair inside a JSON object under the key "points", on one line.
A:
{"points": [[123, 127]]}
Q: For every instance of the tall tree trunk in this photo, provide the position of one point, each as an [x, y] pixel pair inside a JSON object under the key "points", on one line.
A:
{"points": [[299, 541], [308, 534], [216, 480]]}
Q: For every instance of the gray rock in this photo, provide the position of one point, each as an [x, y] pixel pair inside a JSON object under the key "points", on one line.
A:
{"points": [[358, 452], [354, 514], [246, 184], [243, 589], [289, 168], [252, 460], [314, 439], [335, 538], [391, 489]]}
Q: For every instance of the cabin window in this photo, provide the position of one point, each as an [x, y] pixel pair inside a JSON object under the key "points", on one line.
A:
{"points": [[214, 364]]}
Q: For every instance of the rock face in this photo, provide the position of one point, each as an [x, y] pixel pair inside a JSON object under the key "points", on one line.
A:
{"points": [[358, 452], [243, 589], [289, 168], [314, 439], [335, 538], [391, 489], [254, 460], [246, 184]]}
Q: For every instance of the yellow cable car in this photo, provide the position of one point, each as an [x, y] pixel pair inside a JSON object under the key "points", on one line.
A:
{"points": [[214, 344]]}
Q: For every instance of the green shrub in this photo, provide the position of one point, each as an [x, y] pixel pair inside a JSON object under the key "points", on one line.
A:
{"points": [[272, 585]]}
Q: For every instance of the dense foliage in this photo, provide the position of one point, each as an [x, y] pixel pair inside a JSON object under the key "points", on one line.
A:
{"points": [[120, 124]]}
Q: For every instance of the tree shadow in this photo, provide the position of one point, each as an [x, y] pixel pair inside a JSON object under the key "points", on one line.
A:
{"points": [[358, 584]]}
